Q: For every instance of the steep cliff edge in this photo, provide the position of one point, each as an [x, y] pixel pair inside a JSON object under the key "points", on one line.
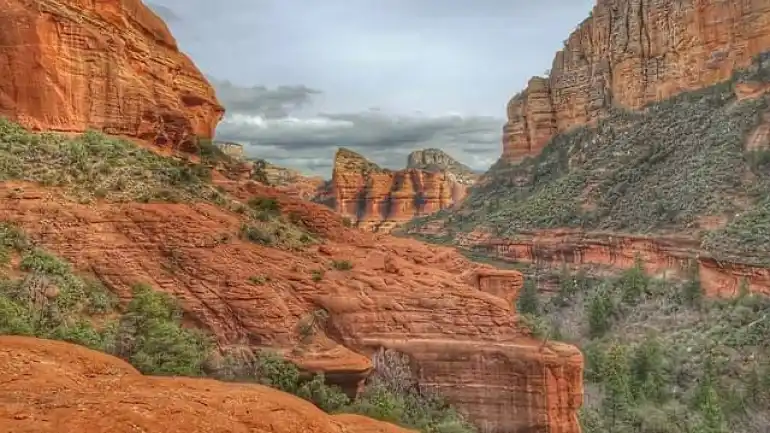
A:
{"points": [[378, 199], [683, 180], [629, 53], [111, 66]]}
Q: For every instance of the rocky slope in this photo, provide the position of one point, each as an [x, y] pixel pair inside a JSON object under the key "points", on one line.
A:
{"points": [[56, 387], [649, 138], [629, 53], [378, 199], [108, 65], [425, 301], [681, 182], [248, 263]]}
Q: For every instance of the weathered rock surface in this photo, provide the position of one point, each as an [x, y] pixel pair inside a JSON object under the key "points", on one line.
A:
{"points": [[668, 255], [109, 65], [378, 199], [438, 160], [629, 53], [51, 386], [454, 317]]}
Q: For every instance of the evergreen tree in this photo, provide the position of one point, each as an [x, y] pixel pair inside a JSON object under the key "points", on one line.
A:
{"points": [[617, 386], [528, 302]]}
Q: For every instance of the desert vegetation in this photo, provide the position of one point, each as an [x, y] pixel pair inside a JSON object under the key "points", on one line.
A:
{"points": [[93, 166], [42, 296], [658, 170], [660, 357]]}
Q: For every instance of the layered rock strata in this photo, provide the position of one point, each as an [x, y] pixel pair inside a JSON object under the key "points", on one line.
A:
{"points": [[453, 317], [665, 256], [378, 199], [112, 66], [629, 53]]}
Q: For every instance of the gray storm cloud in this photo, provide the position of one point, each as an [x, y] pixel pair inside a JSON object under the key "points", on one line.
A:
{"points": [[261, 119], [298, 77]]}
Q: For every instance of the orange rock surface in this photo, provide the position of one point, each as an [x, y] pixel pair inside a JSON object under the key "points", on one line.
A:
{"points": [[454, 317], [109, 65], [629, 53], [660, 255], [56, 387], [378, 199]]}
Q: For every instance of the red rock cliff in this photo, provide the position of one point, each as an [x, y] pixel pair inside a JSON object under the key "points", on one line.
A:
{"points": [[378, 199], [632, 52], [110, 65], [455, 318]]}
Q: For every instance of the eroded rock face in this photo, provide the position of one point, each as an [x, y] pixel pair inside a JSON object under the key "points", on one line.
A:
{"points": [[289, 181], [47, 384], [378, 199], [454, 317], [663, 255], [438, 160], [109, 65], [632, 52]]}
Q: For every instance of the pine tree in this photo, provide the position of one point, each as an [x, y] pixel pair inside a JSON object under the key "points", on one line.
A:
{"points": [[528, 302], [617, 385]]}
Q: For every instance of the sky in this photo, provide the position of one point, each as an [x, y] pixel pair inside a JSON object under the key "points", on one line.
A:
{"points": [[300, 78]]}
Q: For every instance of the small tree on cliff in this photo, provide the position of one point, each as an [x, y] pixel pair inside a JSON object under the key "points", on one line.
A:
{"points": [[528, 302], [617, 385]]}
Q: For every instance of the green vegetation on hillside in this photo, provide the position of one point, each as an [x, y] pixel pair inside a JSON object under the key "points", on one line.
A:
{"points": [[657, 170], [661, 358], [45, 298], [94, 166]]}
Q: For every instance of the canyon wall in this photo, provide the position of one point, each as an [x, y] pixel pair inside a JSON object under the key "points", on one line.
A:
{"points": [[378, 199], [109, 65], [454, 318], [632, 52], [670, 256]]}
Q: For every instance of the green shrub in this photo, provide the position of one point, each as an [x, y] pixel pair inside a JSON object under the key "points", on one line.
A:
{"points": [[392, 394], [151, 337], [265, 204], [655, 363], [528, 302], [257, 235], [657, 170], [342, 265], [149, 334]]}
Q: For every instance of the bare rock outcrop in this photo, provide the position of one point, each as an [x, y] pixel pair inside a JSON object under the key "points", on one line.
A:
{"points": [[109, 65], [378, 199], [629, 53]]}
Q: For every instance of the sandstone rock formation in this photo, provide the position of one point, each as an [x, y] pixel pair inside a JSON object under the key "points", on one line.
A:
{"points": [[233, 150], [379, 199], [55, 387], [672, 256], [438, 160], [289, 181], [629, 53], [107, 65], [453, 317]]}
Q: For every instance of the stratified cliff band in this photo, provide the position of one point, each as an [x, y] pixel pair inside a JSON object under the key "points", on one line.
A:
{"points": [[111, 66], [632, 52]]}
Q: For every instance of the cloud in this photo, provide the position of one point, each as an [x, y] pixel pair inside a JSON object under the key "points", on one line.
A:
{"points": [[261, 101], [164, 12], [265, 121]]}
